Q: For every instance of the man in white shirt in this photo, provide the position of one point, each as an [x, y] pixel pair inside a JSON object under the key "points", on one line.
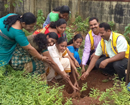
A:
{"points": [[116, 50]]}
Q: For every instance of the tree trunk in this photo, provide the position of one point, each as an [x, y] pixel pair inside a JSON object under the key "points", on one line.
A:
{"points": [[12, 8]]}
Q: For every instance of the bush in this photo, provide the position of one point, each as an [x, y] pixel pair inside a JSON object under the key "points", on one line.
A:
{"points": [[127, 33], [112, 25], [113, 96], [40, 19], [16, 89], [81, 26]]}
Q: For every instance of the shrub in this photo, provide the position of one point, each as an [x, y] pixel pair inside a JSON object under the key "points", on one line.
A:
{"points": [[40, 19], [16, 89], [112, 96], [127, 33], [112, 25]]}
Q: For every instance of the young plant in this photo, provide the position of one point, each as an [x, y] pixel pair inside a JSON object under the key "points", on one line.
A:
{"points": [[40, 19], [112, 25], [117, 95], [84, 87], [127, 33], [19, 89]]}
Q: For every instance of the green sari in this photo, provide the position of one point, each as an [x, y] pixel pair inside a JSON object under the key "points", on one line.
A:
{"points": [[21, 59]]}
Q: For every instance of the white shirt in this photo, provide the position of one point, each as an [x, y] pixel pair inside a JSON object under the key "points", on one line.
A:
{"points": [[121, 46], [56, 56]]}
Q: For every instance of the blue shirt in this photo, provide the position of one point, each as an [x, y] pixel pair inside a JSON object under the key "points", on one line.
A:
{"points": [[7, 47], [75, 52]]}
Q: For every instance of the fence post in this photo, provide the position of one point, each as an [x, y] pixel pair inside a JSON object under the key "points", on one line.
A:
{"points": [[128, 69]]}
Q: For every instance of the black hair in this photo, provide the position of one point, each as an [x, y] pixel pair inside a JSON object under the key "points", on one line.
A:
{"points": [[57, 23], [57, 9], [60, 40], [104, 25], [28, 18], [92, 18], [62, 9], [75, 38], [52, 35], [41, 41]]}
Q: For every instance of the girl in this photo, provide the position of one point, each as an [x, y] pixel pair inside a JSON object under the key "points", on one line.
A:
{"points": [[59, 12], [58, 27], [73, 46], [61, 58], [52, 37]]}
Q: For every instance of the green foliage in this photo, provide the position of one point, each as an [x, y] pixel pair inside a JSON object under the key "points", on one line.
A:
{"points": [[40, 19], [112, 25], [16, 89], [78, 19], [82, 26], [84, 87], [127, 33], [14, 3], [69, 33], [113, 96], [68, 102], [27, 32]]}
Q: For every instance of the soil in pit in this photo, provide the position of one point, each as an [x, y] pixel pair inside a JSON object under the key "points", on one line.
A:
{"points": [[94, 80]]}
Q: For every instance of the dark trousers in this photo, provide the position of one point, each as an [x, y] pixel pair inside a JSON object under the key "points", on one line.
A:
{"points": [[118, 67], [91, 52]]}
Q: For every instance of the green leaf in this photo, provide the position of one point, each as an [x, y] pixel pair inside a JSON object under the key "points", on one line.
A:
{"points": [[6, 6], [14, 4]]}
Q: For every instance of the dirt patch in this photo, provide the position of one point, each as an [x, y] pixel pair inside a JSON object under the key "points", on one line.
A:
{"points": [[94, 80]]}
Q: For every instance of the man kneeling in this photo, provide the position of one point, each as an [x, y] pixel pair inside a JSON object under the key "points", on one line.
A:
{"points": [[116, 50]]}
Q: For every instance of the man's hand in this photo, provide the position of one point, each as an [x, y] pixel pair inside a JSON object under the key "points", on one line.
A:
{"points": [[103, 64], [84, 75], [83, 70]]}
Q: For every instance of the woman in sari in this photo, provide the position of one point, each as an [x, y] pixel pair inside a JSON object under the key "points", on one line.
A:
{"points": [[21, 59], [57, 13], [11, 33], [58, 27], [73, 46], [52, 37], [61, 58]]}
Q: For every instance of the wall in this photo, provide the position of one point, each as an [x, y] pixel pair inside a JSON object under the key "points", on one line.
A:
{"points": [[106, 10], [2, 13], [118, 12]]}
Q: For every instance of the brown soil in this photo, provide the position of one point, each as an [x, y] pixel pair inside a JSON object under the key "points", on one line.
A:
{"points": [[94, 80]]}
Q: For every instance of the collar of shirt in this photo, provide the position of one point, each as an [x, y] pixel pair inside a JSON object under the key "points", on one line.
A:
{"points": [[94, 34], [110, 38]]}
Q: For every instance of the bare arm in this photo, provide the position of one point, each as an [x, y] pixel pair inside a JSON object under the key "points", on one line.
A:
{"points": [[55, 66], [72, 57], [117, 57], [72, 65], [90, 67]]}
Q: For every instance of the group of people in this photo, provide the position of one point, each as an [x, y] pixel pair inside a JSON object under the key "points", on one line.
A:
{"points": [[48, 53]]}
